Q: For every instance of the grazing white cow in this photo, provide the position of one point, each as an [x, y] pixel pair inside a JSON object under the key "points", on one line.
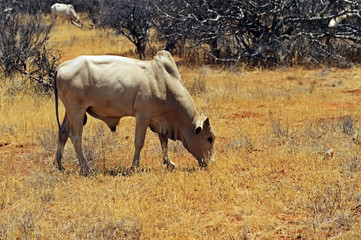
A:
{"points": [[67, 12], [8, 10], [111, 87]]}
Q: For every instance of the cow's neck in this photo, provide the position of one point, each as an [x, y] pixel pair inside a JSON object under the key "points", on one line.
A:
{"points": [[185, 117], [181, 114], [175, 124]]}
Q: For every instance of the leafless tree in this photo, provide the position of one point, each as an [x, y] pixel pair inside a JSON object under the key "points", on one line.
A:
{"points": [[196, 23], [263, 32], [91, 7], [130, 18], [257, 32], [23, 49], [30, 6]]}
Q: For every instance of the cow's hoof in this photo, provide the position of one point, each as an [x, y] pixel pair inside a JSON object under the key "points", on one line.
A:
{"points": [[61, 168], [202, 164], [134, 168], [170, 166], [84, 172]]}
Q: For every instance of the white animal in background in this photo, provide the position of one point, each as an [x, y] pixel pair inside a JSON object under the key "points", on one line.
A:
{"points": [[67, 12], [8, 10]]}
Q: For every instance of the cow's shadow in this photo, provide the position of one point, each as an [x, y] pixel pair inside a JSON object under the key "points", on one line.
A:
{"points": [[128, 171]]}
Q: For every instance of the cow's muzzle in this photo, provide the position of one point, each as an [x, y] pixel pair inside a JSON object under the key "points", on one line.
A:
{"points": [[204, 162]]}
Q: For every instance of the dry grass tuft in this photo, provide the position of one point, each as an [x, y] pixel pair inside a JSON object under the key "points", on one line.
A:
{"points": [[273, 177]]}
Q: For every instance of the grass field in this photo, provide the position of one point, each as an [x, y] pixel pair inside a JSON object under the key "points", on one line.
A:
{"points": [[287, 164]]}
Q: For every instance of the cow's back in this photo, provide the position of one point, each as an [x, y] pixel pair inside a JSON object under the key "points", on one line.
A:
{"points": [[59, 10], [109, 84], [63, 10]]}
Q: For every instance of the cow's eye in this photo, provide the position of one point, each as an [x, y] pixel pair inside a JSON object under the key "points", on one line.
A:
{"points": [[210, 139]]}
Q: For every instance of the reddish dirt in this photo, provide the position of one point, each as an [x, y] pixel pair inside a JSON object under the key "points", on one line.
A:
{"points": [[235, 218], [3, 144], [250, 115], [354, 92], [246, 115], [19, 161], [337, 105], [287, 218]]}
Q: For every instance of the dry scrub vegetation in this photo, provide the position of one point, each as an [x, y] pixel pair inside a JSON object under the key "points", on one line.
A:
{"points": [[272, 177]]}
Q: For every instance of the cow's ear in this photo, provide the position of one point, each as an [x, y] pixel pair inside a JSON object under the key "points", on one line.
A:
{"points": [[206, 123], [198, 130]]}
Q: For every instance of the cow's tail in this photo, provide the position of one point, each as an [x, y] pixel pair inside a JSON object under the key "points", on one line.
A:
{"points": [[56, 99]]}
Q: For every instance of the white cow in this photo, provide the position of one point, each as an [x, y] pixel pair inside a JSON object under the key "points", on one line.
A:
{"points": [[112, 87], [8, 10], [67, 12]]}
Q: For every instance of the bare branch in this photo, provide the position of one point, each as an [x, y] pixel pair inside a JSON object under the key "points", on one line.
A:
{"points": [[23, 49], [261, 32]]}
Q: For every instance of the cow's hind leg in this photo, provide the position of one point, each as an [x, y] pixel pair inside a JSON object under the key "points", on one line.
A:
{"points": [[164, 143], [62, 138], [76, 130]]}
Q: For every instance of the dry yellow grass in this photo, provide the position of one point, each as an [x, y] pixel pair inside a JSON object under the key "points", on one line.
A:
{"points": [[271, 178], [74, 42]]}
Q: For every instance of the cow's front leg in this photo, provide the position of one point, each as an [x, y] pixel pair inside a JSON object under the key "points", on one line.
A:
{"points": [[53, 19], [76, 131], [141, 126], [164, 143]]}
